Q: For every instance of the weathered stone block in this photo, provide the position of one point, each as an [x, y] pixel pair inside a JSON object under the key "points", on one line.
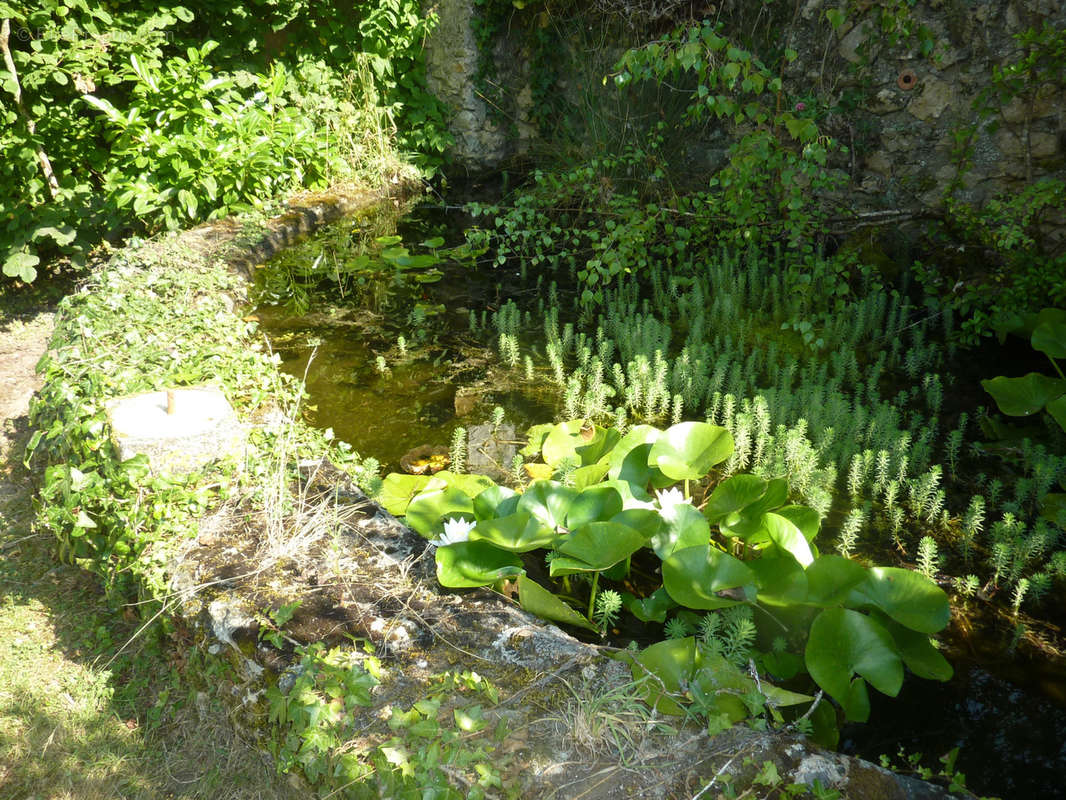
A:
{"points": [[179, 430]]}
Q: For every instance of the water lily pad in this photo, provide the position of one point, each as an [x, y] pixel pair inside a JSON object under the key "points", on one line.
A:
{"points": [[548, 501], [804, 518], [733, 494], [473, 563], [704, 577], [427, 512], [1020, 397], [652, 608], [595, 547], [788, 537], [843, 643], [1049, 335], [397, 490], [781, 580], [496, 501], [561, 443], [688, 450], [519, 532], [683, 526], [910, 598], [662, 669], [535, 599], [830, 579], [1057, 409], [583, 477], [595, 503]]}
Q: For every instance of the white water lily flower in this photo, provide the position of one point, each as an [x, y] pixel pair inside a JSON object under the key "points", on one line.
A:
{"points": [[455, 531], [668, 498]]}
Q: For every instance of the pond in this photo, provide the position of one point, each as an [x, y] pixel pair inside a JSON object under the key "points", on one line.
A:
{"points": [[403, 333]]}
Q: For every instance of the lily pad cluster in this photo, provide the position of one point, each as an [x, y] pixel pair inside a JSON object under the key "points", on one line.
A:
{"points": [[657, 496], [1021, 397]]}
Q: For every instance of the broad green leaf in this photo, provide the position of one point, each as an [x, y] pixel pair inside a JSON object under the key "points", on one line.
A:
{"points": [[789, 538], [536, 436], [22, 265], [714, 674], [1020, 397], [561, 443], [683, 527], [843, 643], [804, 518], [688, 450], [1057, 409], [593, 450], [652, 608], [830, 578], [496, 501], [662, 669], [635, 436], [427, 512], [1049, 336], [747, 524], [535, 599], [397, 490], [583, 477], [910, 598], [733, 494], [548, 501], [469, 483], [780, 579], [704, 577], [600, 545], [917, 650], [468, 564], [595, 503], [519, 532]]}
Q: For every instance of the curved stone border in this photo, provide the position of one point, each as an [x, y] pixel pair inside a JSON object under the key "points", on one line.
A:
{"points": [[571, 721]]}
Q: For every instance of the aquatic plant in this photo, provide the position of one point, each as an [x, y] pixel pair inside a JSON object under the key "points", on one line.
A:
{"points": [[744, 545]]}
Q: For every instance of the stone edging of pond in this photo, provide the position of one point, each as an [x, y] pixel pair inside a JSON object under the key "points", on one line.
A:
{"points": [[319, 614]]}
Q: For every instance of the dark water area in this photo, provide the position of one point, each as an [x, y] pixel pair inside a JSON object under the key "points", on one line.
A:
{"points": [[1011, 736]]}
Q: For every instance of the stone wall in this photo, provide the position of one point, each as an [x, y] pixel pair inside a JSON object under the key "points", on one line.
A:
{"points": [[909, 109]]}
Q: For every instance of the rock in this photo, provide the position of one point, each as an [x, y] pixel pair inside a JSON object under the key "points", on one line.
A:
{"points": [[935, 98], [490, 451], [853, 40], [180, 429]]}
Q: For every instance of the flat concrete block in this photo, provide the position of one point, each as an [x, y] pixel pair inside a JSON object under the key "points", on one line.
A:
{"points": [[179, 430]]}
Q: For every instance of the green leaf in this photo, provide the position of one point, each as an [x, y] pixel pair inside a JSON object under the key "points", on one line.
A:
{"points": [[469, 564], [535, 599], [495, 501], [397, 490], [1049, 336], [704, 577], [595, 503], [918, 652], [910, 598], [21, 265], [789, 538], [662, 669], [519, 532], [1020, 397], [548, 501], [831, 578], [562, 442], [652, 608], [1057, 409], [804, 518], [596, 546], [843, 643], [684, 527], [427, 512], [734, 494], [688, 450], [781, 580]]}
